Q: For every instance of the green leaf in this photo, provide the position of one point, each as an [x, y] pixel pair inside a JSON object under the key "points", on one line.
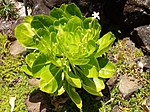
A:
{"points": [[104, 43], [91, 70], [73, 79], [91, 23], [99, 83], [44, 43], [91, 47], [48, 82], [73, 95], [79, 61], [57, 71], [73, 10], [38, 64], [107, 68], [90, 87], [73, 23], [63, 20], [56, 13], [78, 35], [44, 34], [41, 21], [30, 58], [63, 6], [24, 35], [28, 19], [26, 69], [61, 91]]}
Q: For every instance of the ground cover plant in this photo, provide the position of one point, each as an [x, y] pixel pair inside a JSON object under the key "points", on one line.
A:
{"points": [[68, 52], [13, 82], [125, 57]]}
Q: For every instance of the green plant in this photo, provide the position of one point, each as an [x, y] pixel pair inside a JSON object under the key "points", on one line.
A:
{"points": [[68, 52], [7, 9], [13, 82]]}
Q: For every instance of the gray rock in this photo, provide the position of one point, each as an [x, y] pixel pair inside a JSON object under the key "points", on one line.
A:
{"points": [[141, 36], [34, 102], [136, 5], [38, 101], [116, 108], [147, 2], [112, 81], [38, 7], [16, 48], [34, 82], [5, 26], [136, 13], [128, 85], [143, 2], [147, 62], [146, 104]]}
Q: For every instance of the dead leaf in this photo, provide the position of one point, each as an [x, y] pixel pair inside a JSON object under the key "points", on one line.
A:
{"points": [[12, 103]]}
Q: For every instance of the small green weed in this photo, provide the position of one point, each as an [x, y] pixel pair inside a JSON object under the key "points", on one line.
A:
{"points": [[7, 9]]}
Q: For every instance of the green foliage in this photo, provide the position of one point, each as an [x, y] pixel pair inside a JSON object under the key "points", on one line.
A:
{"points": [[13, 82], [68, 52], [7, 9]]}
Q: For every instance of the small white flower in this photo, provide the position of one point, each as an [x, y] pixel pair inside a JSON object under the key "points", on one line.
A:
{"points": [[140, 65], [96, 15]]}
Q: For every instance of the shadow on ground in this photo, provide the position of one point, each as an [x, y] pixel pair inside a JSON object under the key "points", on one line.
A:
{"points": [[43, 102]]}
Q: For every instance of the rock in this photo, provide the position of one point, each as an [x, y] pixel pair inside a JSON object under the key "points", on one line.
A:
{"points": [[38, 102], [34, 82], [16, 48], [116, 108], [146, 104], [136, 13], [17, 22], [20, 6], [33, 106], [146, 59], [141, 36], [112, 81], [38, 7], [147, 2], [128, 85], [5, 26]]}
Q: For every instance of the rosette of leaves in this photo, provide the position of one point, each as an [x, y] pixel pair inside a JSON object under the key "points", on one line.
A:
{"points": [[67, 52]]}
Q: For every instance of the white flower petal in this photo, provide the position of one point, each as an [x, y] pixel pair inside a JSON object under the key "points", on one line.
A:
{"points": [[96, 15]]}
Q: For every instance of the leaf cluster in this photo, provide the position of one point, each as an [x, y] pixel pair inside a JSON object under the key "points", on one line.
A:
{"points": [[68, 53]]}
